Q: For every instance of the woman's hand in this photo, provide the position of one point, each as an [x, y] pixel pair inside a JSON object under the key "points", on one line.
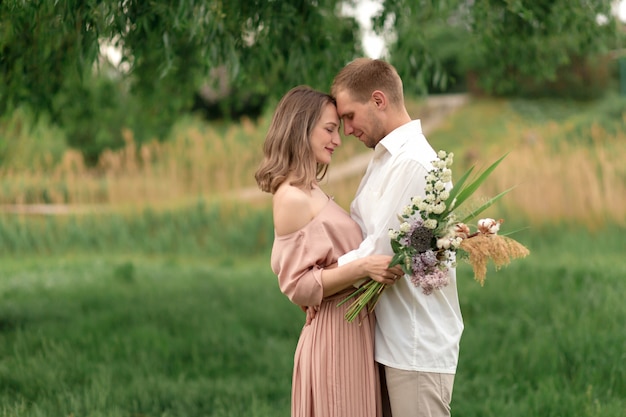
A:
{"points": [[377, 268], [354, 273], [311, 312]]}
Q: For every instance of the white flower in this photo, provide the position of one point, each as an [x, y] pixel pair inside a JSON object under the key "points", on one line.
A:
{"points": [[443, 243], [442, 154], [393, 234], [438, 208], [422, 206], [462, 230], [430, 224], [416, 200], [405, 227], [444, 195], [488, 226], [439, 186], [408, 210]]}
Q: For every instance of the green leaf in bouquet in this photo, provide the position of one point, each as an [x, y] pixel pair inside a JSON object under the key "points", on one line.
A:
{"points": [[456, 189], [512, 232], [482, 208], [397, 259], [395, 246], [467, 191]]}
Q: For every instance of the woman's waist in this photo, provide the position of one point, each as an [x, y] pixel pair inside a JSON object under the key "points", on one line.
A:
{"points": [[340, 295]]}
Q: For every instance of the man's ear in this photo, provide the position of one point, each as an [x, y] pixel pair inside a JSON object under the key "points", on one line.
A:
{"points": [[379, 99]]}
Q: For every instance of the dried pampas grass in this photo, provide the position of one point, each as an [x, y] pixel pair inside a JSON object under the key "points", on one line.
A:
{"points": [[483, 247]]}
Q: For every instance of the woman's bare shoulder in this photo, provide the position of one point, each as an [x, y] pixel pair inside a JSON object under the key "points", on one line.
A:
{"points": [[292, 209]]}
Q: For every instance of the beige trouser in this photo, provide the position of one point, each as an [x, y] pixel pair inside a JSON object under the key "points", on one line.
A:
{"points": [[415, 394]]}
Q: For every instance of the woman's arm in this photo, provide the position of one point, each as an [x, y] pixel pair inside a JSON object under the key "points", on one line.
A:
{"points": [[292, 211], [375, 267]]}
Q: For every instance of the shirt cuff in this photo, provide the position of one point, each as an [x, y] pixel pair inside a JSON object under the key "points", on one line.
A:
{"points": [[347, 258]]}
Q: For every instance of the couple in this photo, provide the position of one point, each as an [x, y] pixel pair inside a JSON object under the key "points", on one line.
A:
{"points": [[400, 361]]}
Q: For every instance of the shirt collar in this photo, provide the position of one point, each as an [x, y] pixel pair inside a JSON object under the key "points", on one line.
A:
{"points": [[394, 141]]}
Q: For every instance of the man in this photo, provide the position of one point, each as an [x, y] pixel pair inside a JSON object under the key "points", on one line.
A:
{"points": [[417, 335]]}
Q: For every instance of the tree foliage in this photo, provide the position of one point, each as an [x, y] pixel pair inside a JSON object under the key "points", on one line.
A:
{"points": [[171, 50], [506, 42], [171, 44], [48, 51]]}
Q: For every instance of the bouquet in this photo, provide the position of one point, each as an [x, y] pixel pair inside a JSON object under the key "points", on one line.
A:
{"points": [[430, 234]]}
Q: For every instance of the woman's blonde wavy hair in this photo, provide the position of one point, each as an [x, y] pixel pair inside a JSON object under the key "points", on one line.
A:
{"points": [[287, 147]]}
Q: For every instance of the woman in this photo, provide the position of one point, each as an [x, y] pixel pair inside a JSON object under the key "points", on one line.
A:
{"points": [[334, 370]]}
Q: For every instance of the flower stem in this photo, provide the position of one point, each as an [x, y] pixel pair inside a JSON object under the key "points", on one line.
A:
{"points": [[371, 291]]}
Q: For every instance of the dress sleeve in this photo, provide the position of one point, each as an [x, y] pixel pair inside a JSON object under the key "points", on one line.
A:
{"points": [[298, 261]]}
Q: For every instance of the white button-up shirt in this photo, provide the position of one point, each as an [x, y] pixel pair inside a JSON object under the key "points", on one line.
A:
{"points": [[414, 331]]}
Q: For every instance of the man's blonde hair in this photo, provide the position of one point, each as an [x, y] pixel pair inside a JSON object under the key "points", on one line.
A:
{"points": [[361, 77], [287, 148]]}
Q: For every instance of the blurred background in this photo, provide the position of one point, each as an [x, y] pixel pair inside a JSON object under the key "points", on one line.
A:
{"points": [[134, 243]]}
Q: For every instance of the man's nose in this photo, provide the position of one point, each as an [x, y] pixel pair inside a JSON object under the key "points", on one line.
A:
{"points": [[347, 128]]}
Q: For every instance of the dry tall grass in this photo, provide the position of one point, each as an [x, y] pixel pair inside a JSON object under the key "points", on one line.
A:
{"points": [[199, 161], [560, 182], [557, 181]]}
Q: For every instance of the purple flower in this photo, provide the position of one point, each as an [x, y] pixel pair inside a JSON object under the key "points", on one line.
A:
{"points": [[428, 272], [429, 258], [436, 279], [423, 262]]}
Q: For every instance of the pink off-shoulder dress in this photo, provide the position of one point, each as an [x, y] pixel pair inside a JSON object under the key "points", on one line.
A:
{"points": [[334, 373]]}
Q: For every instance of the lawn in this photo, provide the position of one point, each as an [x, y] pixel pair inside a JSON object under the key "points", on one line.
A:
{"points": [[162, 303], [139, 336], [172, 335]]}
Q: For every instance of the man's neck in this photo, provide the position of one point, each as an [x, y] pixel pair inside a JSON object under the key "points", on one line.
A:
{"points": [[397, 119]]}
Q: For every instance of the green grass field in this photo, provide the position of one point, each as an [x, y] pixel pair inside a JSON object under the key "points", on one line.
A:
{"points": [[163, 303], [140, 336], [174, 335]]}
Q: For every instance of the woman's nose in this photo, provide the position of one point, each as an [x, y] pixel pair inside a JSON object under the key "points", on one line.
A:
{"points": [[336, 138]]}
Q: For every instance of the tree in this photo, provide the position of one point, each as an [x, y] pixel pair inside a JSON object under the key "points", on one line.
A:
{"points": [[508, 43], [534, 39], [49, 49]]}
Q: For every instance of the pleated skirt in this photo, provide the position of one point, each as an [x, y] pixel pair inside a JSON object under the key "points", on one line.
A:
{"points": [[335, 374]]}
